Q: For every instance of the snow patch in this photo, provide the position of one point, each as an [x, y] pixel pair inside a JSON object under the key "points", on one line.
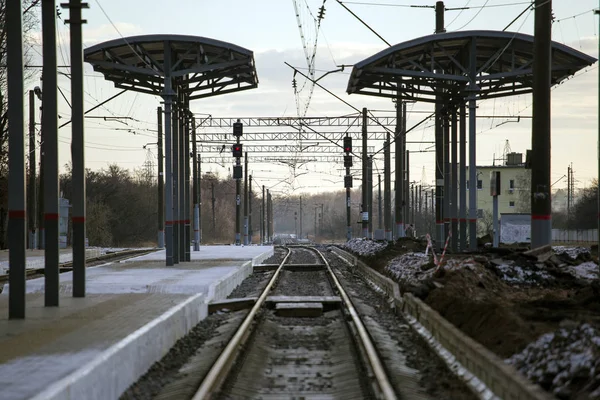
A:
{"points": [[587, 270], [560, 360], [512, 273], [572, 252], [365, 247]]}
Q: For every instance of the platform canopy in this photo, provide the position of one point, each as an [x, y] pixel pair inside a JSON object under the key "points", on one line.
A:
{"points": [[422, 68], [199, 66]]}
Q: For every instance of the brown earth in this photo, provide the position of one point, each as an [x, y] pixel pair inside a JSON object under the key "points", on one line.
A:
{"points": [[503, 317]]}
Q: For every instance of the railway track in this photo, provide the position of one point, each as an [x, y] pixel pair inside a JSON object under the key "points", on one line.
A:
{"points": [[302, 338], [33, 273]]}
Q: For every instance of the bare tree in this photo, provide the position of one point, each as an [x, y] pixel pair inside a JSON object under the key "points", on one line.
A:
{"points": [[523, 188]]}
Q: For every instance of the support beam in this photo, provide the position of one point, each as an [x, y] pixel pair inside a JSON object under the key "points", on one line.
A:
{"points": [[77, 154], [365, 178], [161, 185], [195, 195], [387, 196], [167, 96], [541, 201], [473, 148], [16, 159], [463, 176], [454, 181], [399, 178]]}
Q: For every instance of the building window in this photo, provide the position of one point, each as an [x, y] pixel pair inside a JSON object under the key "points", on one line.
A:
{"points": [[467, 185], [511, 184], [511, 204], [480, 213], [479, 184]]}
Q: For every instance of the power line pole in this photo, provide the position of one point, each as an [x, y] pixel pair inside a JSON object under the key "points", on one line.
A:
{"points": [[399, 178], [250, 230], [370, 194], [387, 197], [31, 192], [196, 164], [301, 217], [246, 198], [379, 205], [541, 201], [214, 216], [439, 143], [161, 188], [262, 217], [365, 178]]}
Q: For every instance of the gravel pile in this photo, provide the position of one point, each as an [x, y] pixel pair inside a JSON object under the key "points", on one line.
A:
{"points": [[364, 247], [565, 362]]}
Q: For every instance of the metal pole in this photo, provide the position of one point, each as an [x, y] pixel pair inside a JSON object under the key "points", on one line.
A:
{"points": [[379, 205], [16, 161], [184, 179], [301, 211], [50, 149], [196, 164], [399, 178], [496, 239], [597, 12], [161, 185], [541, 202], [407, 189], [370, 195], [250, 230], [245, 198], [187, 186], [263, 229], [77, 155], [420, 209], [31, 190], [41, 179], [387, 182], [238, 200], [454, 183], [473, 148], [176, 180], [463, 176], [214, 216], [439, 143], [446, 205], [167, 95], [199, 166], [365, 178]]}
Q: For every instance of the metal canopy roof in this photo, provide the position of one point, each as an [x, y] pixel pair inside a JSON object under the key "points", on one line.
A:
{"points": [[199, 66], [441, 64]]}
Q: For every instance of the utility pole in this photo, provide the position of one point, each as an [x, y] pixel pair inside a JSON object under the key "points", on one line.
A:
{"points": [[439, 142], [370, 194], [379, 205], [237, 176], [161, 187], [250, 230], [246, 198], [214, 216], [196, 164], [541, 201], [365, 177], [399, 155], [300, 217], [17, 228], [387, 182], [262, 218], [454, 183], [407, 188], [31, 192], [199, 237], [348, 183], [597, 12], [463, 177]]}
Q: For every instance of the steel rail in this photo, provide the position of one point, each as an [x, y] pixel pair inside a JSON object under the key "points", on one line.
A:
{"points": [[218, 372], [381, 378]]}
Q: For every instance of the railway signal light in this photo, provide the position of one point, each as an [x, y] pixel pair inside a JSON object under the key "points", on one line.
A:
{"points": [[237, 150], [237, 172], [347, 161], [348, 181], [347, 144], [238, 129]]}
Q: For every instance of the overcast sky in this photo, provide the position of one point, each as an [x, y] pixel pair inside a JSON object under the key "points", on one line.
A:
{"points": [[270, 29]]}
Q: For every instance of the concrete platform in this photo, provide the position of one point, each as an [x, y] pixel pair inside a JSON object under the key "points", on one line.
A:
{"points": [[96, 347]]}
